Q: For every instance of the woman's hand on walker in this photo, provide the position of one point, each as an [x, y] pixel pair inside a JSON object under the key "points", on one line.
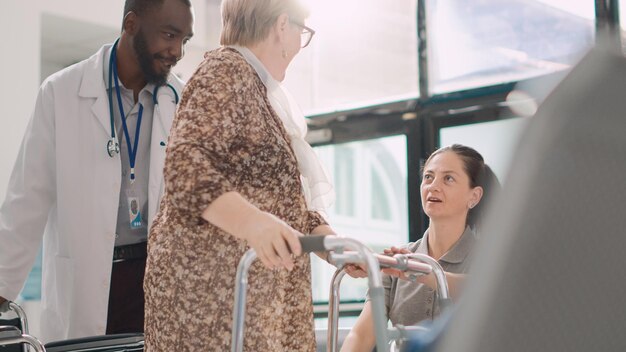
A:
{"points": [[273, 240], [355, 270], [391, 271]]}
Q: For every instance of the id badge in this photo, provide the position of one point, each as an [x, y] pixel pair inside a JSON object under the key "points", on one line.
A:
{"points": [[134, 212]]}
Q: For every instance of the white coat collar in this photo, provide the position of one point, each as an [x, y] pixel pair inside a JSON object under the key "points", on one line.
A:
{"points": [[93, 86]]}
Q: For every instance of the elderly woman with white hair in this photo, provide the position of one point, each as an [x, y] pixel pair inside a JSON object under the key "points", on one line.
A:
{"points": [[238, 175]]}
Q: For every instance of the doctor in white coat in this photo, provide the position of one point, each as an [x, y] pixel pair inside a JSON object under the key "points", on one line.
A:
{"points": [[69, 179]]}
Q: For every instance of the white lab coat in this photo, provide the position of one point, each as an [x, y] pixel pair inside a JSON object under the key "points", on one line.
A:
{"points": [[65, 187]]}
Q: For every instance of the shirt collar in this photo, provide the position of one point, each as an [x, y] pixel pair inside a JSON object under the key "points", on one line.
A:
{"points": [[258, 66], [457, 253]]}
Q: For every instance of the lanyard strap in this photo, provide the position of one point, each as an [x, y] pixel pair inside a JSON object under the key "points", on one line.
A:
{"points": [[132, 151]]}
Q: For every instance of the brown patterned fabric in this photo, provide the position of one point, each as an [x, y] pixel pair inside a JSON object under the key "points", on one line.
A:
{"points": [[225, 137]]}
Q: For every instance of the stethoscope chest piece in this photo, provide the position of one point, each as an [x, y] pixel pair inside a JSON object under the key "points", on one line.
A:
{"points": [[113, 147]]}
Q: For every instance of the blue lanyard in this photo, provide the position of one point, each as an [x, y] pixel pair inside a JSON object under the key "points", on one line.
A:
{"points": [[132, 151]]}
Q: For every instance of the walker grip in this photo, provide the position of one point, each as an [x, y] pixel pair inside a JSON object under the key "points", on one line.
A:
{"points": [[312, 243]]}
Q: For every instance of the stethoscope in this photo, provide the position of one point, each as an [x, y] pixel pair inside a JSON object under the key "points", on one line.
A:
{"points": [[113, 145]]}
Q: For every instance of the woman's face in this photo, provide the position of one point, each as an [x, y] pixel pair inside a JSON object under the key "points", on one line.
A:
{"points": [[293, 40], [285, 42], [445, 189]]}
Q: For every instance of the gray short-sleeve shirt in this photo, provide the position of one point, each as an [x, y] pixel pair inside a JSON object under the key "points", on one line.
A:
{"points": [[407, 302]]}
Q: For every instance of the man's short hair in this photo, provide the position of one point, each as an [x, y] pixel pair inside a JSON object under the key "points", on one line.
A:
{"points": [[141, 7]]}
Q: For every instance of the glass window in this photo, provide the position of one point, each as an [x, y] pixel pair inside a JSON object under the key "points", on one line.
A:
{"points": [[343, 175], [370, 178], [380, 206], [474, 43], [496, 141], [363, 51]]}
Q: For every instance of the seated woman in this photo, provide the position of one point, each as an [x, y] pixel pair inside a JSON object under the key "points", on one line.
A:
{"points": [[454, 181]]}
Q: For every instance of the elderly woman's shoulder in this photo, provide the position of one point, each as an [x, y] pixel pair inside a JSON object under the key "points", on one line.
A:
{"points": [[224, 59]]}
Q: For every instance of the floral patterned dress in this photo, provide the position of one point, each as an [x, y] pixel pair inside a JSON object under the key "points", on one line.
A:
{"points": [[225, 137]]}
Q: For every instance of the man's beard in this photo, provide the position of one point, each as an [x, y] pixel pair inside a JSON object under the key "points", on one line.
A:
{"points": [[146, 61]]}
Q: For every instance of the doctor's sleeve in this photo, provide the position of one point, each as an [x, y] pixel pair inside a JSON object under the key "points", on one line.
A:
{"points": [[29, 198], [205, 126]]}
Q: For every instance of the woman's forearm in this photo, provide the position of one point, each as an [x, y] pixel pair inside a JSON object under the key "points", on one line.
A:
{"points": [[227, 212], [273, 240], [455, 283], [323, 230], [361, 338]]}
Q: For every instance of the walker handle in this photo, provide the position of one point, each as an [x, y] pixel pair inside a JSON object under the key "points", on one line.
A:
{"points": [[312, 243]]}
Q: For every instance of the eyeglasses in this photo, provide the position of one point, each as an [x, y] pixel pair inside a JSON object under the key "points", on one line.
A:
{"points": [[307, 34]]}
